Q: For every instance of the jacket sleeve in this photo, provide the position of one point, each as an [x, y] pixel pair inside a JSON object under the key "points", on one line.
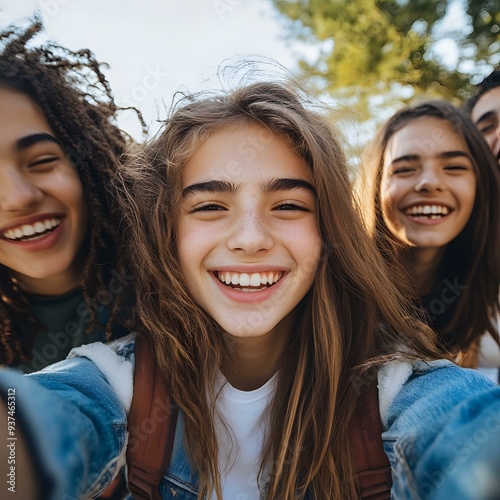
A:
{"points": [[443, 436], [74, 423]]}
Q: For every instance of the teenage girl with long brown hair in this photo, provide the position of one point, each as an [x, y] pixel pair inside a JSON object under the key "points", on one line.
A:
{"points": [[430, 190], [261, 296]]}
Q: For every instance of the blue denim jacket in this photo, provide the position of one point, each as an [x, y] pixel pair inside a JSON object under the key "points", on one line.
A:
{"points": [[442, 427]]}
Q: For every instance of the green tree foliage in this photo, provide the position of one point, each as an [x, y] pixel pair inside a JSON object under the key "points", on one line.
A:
{"points": [[387, 48]]}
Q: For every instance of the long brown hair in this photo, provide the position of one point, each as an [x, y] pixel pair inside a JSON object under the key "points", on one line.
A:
{"points": [[472, 259], [74, 96], [341, 316]]}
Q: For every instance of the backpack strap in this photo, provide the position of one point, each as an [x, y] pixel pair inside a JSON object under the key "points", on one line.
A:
{"points": [[372, 469], [151, 426], [153, 417]]}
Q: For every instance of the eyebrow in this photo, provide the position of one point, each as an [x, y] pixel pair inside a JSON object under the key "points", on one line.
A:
{"points": [[209, 187], [445, 154], [30, 140], [288, 185], [486, 116], [228, 187], [405, 158]]}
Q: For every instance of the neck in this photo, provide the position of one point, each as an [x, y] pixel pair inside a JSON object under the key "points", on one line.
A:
{"points": [[59, 284], [422, 265], [255, 360]]}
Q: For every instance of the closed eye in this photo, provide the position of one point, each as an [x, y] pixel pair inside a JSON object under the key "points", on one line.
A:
{"points": [[456, 167], [43, 161], [403, 170], [487, 128]]}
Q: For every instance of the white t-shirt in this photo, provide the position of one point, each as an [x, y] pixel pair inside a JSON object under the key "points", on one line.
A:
{"points": [[240, 441]]}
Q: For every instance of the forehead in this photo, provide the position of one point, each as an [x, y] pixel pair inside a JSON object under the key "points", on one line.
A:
{"points": [[244, 152], [426, 136], [489, 101], [19, 117]]}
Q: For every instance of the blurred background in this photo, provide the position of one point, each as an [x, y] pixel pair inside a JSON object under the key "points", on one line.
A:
{"points": [[367, 56]]}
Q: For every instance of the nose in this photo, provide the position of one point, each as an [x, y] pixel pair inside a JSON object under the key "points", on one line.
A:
{"points": [[250, 234], [429, 181], [17, 192]]}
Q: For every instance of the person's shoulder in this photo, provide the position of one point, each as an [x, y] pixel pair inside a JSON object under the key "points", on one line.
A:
{"points": [[115, 361], [452, 376], [422, 388], [439, 424]]}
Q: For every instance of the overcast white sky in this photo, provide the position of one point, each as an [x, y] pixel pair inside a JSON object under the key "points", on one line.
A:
{"points": [[156, 47]]}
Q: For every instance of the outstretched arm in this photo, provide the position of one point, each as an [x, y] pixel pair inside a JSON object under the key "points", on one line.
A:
{"points": [[70, 427], [16, 464], [443, 435]]}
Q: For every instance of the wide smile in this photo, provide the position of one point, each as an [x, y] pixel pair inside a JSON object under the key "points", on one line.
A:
{"points": [[427, 212], [249, 282], [31, 232]]}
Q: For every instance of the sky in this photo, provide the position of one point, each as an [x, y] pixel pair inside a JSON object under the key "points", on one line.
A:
{"points": [[157, 47]]}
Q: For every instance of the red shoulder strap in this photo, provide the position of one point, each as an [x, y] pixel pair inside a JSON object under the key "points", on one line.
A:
{"points": [[153, 418], [371, 465], [151, 427]]}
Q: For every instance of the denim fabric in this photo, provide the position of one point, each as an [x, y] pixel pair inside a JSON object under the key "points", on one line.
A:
{"points": [[439, 425], [442, 435], [78, 439]]}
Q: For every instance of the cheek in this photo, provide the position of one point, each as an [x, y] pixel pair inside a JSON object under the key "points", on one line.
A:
{"points": [[389, 202], [310, 247], [191, 249], [468, 191], [490, 139], [69, 190]]}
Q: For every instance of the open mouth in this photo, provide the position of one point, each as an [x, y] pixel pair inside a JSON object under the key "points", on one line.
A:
{"points": [[31, 232], [427, 211], [249, 282]]}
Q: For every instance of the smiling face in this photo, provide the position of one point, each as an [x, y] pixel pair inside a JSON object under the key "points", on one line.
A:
{"points": [[248, 241], [486, 116], [428, 184], [43, 215]]}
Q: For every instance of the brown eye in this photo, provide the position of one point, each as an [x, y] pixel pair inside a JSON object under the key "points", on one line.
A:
{"points": [[208, 207], [288, 206]]}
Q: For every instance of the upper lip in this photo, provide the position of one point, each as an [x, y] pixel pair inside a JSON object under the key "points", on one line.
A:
{"points": [[253, 268], [30, 219]]}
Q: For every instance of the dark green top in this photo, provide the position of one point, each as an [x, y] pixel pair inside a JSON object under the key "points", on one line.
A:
{"points": [[66, 319]]}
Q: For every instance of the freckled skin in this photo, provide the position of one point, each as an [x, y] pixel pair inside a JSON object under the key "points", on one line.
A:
{"points": [[248, 229]]}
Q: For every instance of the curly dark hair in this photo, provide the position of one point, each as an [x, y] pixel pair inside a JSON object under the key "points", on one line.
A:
{"points": [[74, 95]]}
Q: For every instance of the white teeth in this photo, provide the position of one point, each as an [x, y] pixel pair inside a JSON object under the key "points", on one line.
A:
{"points": [[245, 280], [250, 280], [255, 280], [428, 210], [27, 230], [39, 227]]}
